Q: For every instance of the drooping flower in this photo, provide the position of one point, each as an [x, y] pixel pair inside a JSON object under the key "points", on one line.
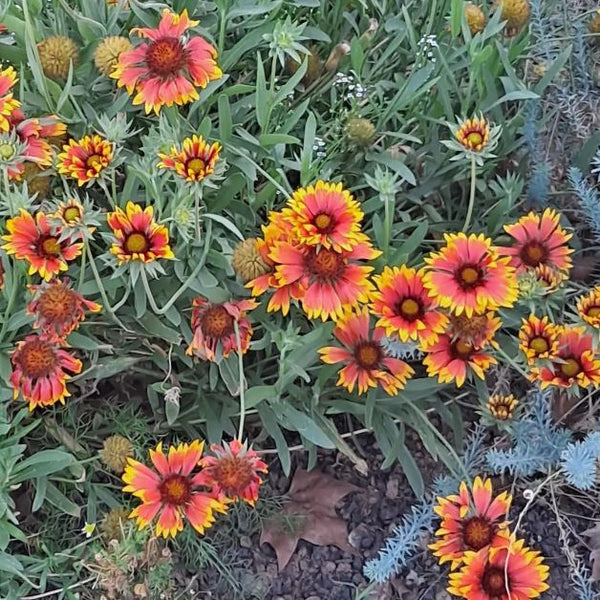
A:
{"points": [[8, 104], [106, 55], [168, 69], [467, 275], [538, 240], [56, 55], [512, 572], [575, 362], [502, 407], [367, 363], [214, 328], [331, 281], [85, 159], [452, 359], [234, 471], [115, 452], [33, 137], [34, 240], [588, 308], [538, 338], [248, 262], [470, 521], [195, 161], [404, 307], [474, 134], [40, 369], [172, 490], [58, 309], [478, 330], [138, 236], [325, 214], [113, 524]]}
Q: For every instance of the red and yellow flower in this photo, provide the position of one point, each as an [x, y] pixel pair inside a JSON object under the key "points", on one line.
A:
{"points": [[214, 328], [575, 362], [512, 572], [325, 215], [138, 235], [551, 278], [85, 159], [172, 490], [588, 307], [452, 358], [34, 240], [34, 135], [195, 161], [234, 471], [8, 104], [501, 407], [405, 308], [58, 309], [473, 134], [467, 275], [471, 521], [331, 281], [538, 338], [168, 69], [40, 371], [70, 213], [367, 364], [539, 240]]}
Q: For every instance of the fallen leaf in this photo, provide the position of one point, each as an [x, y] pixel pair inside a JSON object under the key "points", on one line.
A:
{"points": [[594, 535], [309, 515]]}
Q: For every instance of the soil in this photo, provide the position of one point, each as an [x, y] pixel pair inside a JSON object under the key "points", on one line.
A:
{"points": [[327, 573]]}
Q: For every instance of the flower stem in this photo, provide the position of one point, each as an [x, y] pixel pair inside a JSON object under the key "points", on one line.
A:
{"points": [[388, 223], [197, 198], [82, 272], [186, 283], [238, 341], [472, 194]]}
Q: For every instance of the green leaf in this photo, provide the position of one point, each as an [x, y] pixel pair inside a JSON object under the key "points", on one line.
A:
{"points": [[269, 421], [256, 394], [42, 463], [271, 139], [226, 223], [58, 499], [413, 241], [393, 163], [557, 65], [511, 97], [225, 124], [296, 420], [456, 13], [262, 105]]}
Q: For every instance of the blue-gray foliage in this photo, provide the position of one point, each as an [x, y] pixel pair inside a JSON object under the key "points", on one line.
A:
{"points": [[402, 545], [579, 461], [537, 442], [588, 199]]}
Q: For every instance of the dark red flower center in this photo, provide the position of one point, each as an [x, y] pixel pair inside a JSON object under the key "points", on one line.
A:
{"points": [[323, 222], [410, 309], [469, 277], [493, 581], [233, 474], [463, 349], [58, 303], [72, 214], [217, 322], [534, 254], [37, 358], [539, 344], [477, 533], [570, 368], [49, 246], [166, 56], [326, 264], [175, 489], [136, 242], [368, 354], [196, 166], [593, 311]]}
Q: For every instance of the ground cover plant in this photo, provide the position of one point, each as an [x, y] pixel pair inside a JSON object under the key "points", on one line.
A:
{"points": [[241, 236]]}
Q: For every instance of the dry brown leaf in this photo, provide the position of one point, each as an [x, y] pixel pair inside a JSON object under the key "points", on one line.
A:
{"points": [[594, 536], [309, 515]]}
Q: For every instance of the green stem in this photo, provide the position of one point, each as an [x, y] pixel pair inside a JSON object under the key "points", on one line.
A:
{"points": [[82, 272], [388, 223], [273, 72], [98, 279], [222, 28], [185, 284], [472, 194], [9, 306], [197, 199], [236, 326]]}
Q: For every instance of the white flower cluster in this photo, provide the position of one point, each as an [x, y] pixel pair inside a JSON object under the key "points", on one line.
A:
{"points": [[354, 89], [426, 46], [319, 148]]}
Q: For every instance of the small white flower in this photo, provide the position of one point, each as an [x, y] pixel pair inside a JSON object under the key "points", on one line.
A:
{"points": [[88, 529]]}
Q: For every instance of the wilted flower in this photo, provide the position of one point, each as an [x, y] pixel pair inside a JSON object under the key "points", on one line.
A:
{"points": [[360, 132], [116, 449], [248, 262], [475, 18], [57, 53], [106, 55], [515, 12]]}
